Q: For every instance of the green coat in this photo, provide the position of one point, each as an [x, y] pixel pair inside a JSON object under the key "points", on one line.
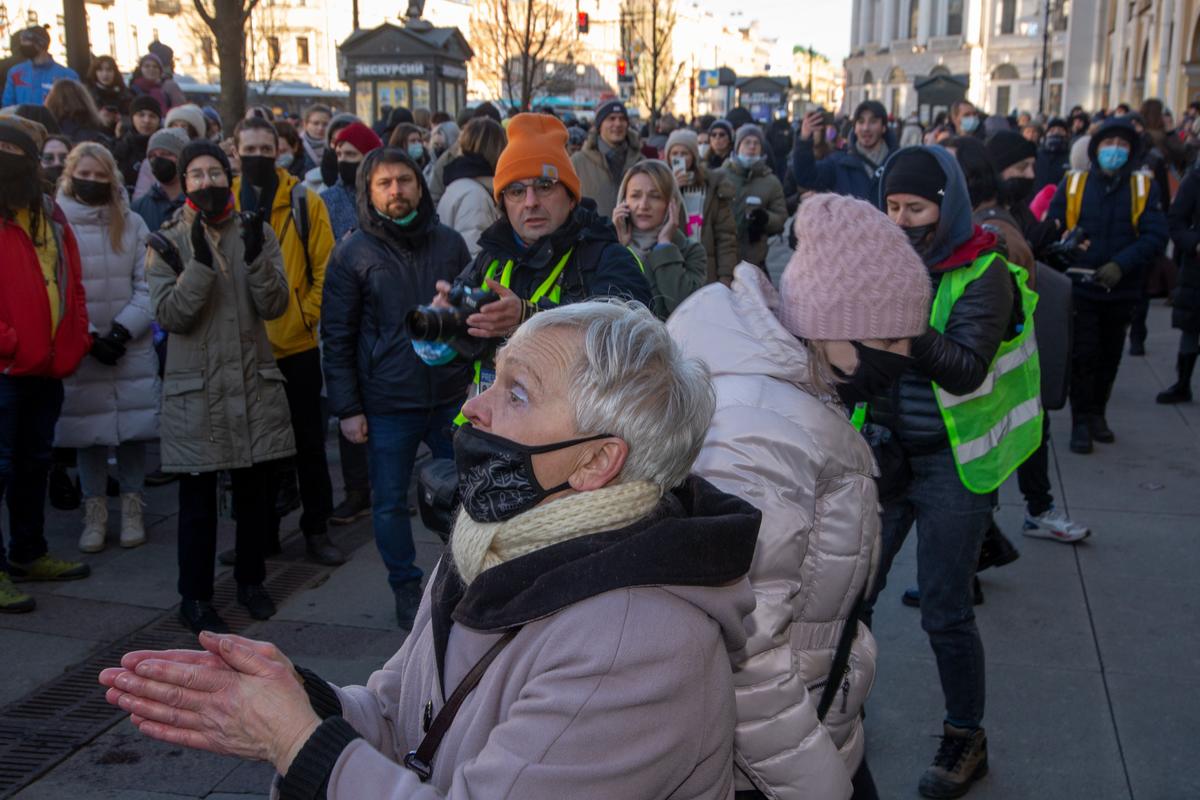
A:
{"points": [[223, 404], [758, 182], [719, 233], [675, 271]]}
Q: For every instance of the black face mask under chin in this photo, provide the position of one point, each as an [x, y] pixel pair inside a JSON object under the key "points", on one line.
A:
{"points": [[920, 237], [875, 374], [496, 480]]}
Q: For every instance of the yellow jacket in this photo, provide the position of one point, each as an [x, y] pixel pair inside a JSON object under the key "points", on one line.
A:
{"points": [[296, 331]]}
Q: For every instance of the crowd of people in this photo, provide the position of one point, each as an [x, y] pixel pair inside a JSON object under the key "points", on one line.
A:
{"points": [[679, 487]]}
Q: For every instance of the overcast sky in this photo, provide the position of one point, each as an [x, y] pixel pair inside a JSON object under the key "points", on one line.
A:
{"points": [[824, 24]]}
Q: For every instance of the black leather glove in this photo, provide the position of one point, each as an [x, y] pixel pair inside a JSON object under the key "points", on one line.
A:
{"points": [[107, 350], [756, 224], [119, 334], [252, 236], [200, 249]]}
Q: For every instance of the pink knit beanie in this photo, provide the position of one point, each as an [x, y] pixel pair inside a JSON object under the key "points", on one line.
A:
{"points": [[853, 276]]}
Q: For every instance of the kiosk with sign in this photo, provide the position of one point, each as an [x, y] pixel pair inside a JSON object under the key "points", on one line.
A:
{"points": [[765, 97], [415, 65]]}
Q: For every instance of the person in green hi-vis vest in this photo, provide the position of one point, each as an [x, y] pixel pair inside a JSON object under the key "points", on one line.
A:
{"points": [[966, 415]]}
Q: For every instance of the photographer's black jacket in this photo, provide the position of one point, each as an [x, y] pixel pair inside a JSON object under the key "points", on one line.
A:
{"points": [[374, 277]]}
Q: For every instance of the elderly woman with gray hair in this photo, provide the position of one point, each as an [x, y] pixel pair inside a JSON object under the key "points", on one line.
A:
{"points": [[575, 639]]}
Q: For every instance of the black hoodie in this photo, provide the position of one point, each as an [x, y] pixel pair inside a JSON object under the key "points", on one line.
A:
{"points": [[374, 277]]}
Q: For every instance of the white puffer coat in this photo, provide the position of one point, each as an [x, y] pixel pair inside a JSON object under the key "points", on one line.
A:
{"points": [[469, 208], [777, 443], [105, 405]]}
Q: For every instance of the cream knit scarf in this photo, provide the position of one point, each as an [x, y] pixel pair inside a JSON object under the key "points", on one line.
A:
{"points": [[479, 546]]}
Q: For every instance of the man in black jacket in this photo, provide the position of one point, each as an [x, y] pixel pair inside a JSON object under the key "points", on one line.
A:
{"points": [[382, 393], [546, 249]]}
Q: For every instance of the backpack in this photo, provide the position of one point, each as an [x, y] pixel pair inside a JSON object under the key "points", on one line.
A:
{"points": [[1139, 186]]}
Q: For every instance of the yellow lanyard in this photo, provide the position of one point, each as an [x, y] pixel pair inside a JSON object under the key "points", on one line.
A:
{"points": [[549, 285]]}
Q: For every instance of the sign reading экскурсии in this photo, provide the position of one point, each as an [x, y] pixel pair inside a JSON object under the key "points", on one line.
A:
{"points": [[389, 70]]}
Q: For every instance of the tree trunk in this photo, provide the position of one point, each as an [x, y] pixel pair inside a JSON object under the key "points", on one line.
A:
{"points": [[231, 52]]}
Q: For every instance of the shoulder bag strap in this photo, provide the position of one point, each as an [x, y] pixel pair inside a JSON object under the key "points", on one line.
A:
{"points": [[420, 760]]}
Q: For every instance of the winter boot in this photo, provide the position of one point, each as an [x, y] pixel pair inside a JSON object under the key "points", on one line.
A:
{"points": [[133, 529], [960, 761], [95, 524], [1181, 392], [1081, 437], [1098, 425]]}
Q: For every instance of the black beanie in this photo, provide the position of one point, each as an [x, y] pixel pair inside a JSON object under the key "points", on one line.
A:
{"points": [[203, 147], [611, 107], [1057, 122], [724, 125], [12, 132], [916, 172], [144, 102], [873, 107], [1006, 148]]}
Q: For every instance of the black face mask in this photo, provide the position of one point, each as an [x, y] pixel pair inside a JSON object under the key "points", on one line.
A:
{"points": [[1056, 144], [496, 480], [329, 167], [53, 174], [163, 169], [92, 193], [211, 200], [348, 172], [1016, 190], [919, 236], [877, 371], [258, 170], [19, 187]]}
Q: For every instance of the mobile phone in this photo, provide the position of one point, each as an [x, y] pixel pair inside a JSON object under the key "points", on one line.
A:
{"points": [[679, 164]]}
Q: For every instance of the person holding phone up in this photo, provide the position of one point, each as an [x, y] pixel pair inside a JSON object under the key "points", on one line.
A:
{"points": [[708, 199], [759, 207]]}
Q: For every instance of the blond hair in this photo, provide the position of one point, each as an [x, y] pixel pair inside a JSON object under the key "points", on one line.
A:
{"points": [[664, 180], [118, 202]]}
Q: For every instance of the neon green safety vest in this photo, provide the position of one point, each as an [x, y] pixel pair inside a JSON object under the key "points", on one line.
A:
{"points": [[995, 428]]}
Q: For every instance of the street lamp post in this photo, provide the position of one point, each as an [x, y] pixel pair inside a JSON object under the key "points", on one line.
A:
{"points": [[1045, 59]]}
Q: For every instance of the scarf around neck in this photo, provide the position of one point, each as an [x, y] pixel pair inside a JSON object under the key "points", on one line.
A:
{"points": [[614, 157], [875, 155], [479, 546]]}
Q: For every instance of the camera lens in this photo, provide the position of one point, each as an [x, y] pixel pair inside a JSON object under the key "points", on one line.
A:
{"points": [[428, 324]]}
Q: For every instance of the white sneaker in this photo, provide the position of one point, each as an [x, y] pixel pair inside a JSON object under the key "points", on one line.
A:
{"points": [[1055, 525], [95, 524], [133, 529]]}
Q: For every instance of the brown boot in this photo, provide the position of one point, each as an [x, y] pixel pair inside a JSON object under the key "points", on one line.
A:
{"points": [[960, 761]]}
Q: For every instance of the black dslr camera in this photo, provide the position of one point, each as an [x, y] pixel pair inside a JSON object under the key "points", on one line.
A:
{"points": [[433, 324], [1062, 255]]}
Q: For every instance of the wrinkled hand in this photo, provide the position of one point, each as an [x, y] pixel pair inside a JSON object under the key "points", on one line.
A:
{"points": [[355, 428], [253, 237], [810, 123], [621, 221], [666, 234], [200, 249], [1108, 275], [107, 350], [252, 706], [499, 318]]}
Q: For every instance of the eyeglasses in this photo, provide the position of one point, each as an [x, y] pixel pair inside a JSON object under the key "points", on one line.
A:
{"points": [[213, 176], [542, 187]]}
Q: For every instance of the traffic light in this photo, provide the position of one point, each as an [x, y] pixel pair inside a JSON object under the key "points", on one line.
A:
{"points": [[583, 22], [622, 70]]}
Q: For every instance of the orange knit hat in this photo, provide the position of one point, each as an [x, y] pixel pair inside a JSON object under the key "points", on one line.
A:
{"points": [[537, 147]]}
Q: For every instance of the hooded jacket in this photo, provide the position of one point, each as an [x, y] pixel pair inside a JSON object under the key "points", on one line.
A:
{"points": [[843, 171], [223, 403], [374, 277], [296, 331], [105, 405], [595, 179], [28, 82], [1106, 214], [958, 358], [617, 684], [757, 181], [780, 443]]}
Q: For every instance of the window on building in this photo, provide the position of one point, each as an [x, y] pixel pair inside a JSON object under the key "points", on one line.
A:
{"points": [[206, 49], [914, 18], [1003, 99], [302, 50], [1007, 16], [1005, 72], [273, 50], [954, 18], [1059, 15], [1054, 101], [1056, 69], [112, 39]]}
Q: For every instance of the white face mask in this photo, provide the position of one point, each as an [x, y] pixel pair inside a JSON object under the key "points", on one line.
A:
{"points": [[704, 148]]}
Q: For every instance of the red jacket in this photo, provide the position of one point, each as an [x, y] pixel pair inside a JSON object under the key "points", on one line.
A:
{"points": [[26, 347]]}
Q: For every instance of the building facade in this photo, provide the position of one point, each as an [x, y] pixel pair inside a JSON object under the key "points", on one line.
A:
{"points": [[1151, 48], [815, 79], [1027, 55]]}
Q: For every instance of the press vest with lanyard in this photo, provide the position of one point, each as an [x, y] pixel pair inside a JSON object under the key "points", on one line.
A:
{"points": [[483, 377], [1139, 187], [993, 429]]}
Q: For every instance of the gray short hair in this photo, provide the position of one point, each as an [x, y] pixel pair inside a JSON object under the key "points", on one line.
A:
{"points": [[634, 383]]}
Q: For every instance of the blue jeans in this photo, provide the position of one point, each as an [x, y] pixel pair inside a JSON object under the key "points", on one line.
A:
{"points": [[29, 408], [951, 522], [392, 440]]}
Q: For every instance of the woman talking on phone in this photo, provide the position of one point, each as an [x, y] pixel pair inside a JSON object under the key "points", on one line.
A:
{"points": [[648, 218]]}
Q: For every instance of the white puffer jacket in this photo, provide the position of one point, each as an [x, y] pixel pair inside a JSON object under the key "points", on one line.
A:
{"points": [[775, 442], [469, 208], [105, 405]]}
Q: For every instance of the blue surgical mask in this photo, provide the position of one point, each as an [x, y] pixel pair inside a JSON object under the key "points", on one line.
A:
{"points": [[748, 161], [416, 151], [969, 124], [1112, 158]]}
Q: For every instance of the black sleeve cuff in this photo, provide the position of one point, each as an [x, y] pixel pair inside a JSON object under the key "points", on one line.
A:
{"points": [[321, 696], [308, 777]]}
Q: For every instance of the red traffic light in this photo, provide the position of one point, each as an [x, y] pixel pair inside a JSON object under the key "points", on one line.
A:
{"points": [[621, 68], [583, 22]]}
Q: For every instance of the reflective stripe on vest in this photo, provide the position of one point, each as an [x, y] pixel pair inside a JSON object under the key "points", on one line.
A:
{"points": [[859, 417], [993, 429], [550, 287], [1139, 187]]}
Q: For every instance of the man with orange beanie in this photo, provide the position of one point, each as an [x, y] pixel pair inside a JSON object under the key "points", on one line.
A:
{"points": [[546, 249]]}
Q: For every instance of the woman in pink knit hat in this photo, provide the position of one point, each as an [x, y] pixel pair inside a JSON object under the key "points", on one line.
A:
{"points": [[787, 366]]}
